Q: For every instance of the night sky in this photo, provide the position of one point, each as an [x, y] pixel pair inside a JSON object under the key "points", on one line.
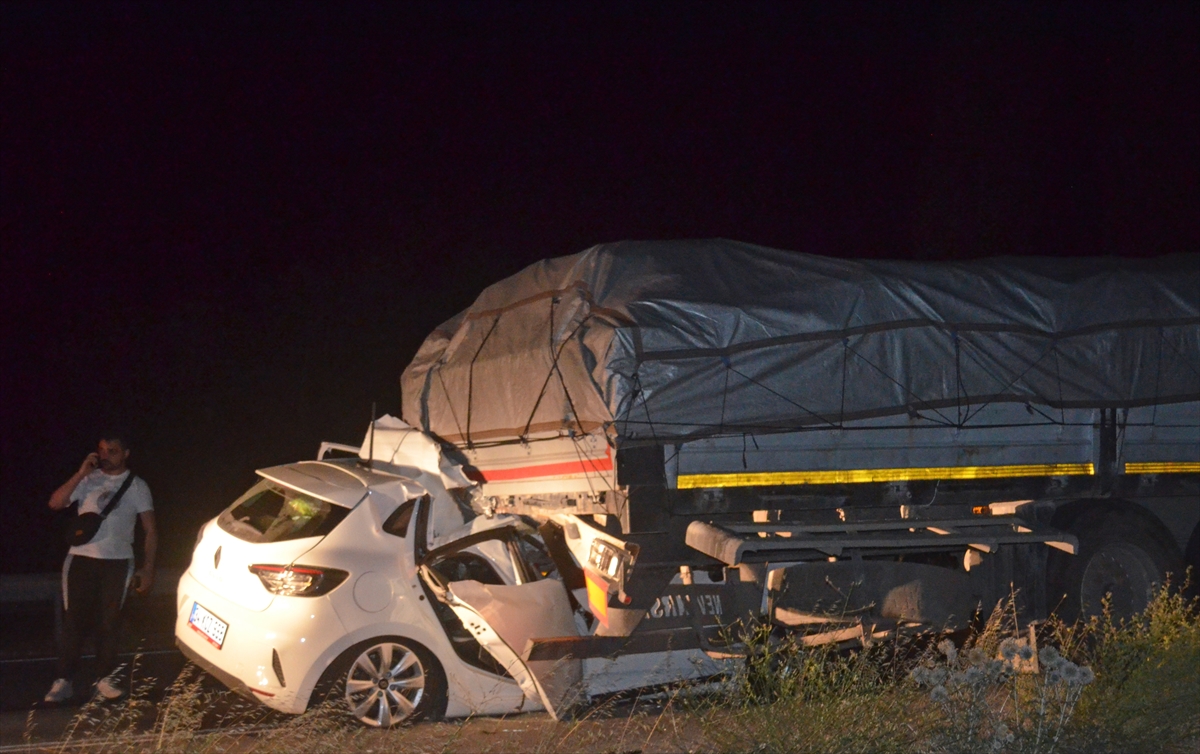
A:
{"points": [[228, 228]]}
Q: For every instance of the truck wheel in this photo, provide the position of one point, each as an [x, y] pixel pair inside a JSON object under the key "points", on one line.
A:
{"points": [[1191, 560], [384, 682], [1121, 557]]}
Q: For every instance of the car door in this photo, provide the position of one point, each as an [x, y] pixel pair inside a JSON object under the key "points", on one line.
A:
{"points": [[505, 600]]}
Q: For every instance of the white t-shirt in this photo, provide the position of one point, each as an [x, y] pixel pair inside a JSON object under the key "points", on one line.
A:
{"points": [[114, 541]]}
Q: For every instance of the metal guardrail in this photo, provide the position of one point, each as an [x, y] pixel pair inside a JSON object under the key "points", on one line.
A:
{"points": [[46, 588]]}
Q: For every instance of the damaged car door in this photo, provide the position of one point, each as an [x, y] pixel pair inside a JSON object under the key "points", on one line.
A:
{"points": [[504, 588]]}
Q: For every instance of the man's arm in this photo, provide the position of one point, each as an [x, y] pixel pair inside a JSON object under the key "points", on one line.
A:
{"points": [[62, 496], [143, 580]]}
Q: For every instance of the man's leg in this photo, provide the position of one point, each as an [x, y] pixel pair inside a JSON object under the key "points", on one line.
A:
{"points": [[80, 587], [114, 580], [81, 579]]}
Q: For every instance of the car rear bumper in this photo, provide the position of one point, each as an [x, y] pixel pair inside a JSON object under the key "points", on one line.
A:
{"points": [[274, 655], [235, 685]]}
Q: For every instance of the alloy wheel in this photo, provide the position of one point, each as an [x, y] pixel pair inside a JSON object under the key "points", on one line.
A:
{"points": [[385, 684]]}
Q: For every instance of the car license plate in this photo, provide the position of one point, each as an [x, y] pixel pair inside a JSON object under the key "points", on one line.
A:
{"points": [[208, 625]]}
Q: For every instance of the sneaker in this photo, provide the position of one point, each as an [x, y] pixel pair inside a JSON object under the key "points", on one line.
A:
{"points": [[60, 692], [109, 687]]}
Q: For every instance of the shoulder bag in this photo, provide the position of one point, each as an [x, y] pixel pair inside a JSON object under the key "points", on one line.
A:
{"points": [[83, 527]]}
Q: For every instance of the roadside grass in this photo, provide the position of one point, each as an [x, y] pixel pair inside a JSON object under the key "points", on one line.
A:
{"points": [[1103, 685], [1147, 691], [791, 698], [185, 720]]}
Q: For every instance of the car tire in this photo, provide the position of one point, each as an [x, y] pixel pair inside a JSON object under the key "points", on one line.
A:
{"points": [[384, 682], [1121, 555]]}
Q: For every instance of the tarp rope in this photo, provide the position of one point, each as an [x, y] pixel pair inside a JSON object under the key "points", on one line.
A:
{"points": [[1052, 347], [471, 376], [776, 393], [638, 392], [555, 355], [449, 402], [945, 419]]}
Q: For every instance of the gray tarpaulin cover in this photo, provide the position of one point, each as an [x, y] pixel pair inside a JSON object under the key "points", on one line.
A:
{"points": [[665, 340]]}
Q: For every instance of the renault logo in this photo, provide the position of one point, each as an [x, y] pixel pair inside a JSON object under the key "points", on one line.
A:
{"points": [[217, 558]]}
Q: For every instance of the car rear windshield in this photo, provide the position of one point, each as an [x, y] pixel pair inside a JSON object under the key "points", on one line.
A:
{"points": [[271, 513]]}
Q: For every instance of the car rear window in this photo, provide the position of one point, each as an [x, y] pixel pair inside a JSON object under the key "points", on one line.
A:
{"points": [[271, 513]]}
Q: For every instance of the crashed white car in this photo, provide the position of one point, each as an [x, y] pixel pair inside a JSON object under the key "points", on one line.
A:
{"points": [[382, 585]]}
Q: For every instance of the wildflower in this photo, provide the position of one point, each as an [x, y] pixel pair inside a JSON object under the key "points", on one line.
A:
{"points": [[1001, 735], [1008, 649], [1070, 672], [939, 694], [1086, 676], [1049, 656], [976, 656], [974, 676], [1025, 652], [946, 647]]}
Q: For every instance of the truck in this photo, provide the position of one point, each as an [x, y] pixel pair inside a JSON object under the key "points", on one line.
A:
{"points": [[709, 432], [614, 465]]}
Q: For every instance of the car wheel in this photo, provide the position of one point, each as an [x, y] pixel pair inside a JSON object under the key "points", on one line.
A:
{"points": [[1121, 558], [384, 682]]}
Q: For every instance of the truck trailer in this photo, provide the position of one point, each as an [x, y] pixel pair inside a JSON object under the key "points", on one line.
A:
{"points": [[614, 462], [708, 431]]}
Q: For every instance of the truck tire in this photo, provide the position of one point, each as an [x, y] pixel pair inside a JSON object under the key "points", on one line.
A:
{"points": [[1191, 559], [385, 682], [1121, 556]]}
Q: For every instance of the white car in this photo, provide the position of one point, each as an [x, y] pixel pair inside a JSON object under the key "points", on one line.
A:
{"points": [[383, 587]]}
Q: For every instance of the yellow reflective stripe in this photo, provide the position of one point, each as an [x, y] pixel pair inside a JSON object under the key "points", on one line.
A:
{"points": [[1163, 467], [856, 476]]}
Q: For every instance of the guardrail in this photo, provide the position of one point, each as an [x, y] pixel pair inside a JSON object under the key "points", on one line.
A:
{"points": [[46, 588]]}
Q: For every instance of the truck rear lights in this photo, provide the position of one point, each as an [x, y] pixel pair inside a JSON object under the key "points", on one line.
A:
{"points": [[298, 581], [610, 560]]}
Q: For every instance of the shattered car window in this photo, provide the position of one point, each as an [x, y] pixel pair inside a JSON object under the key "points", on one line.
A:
{"points": [[272, 513], [466, 566], [531, 550]]}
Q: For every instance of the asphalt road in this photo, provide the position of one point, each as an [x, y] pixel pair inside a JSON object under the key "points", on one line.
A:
{"points": [[28, 658]]}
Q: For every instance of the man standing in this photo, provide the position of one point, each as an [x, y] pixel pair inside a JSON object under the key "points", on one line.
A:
{"points": [[97, 575]]}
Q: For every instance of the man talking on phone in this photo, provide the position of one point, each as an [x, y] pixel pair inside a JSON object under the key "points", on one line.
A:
{"points": [[97, 575]]}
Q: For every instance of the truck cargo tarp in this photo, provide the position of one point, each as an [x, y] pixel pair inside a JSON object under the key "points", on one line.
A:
{"points": [[662, 341]]}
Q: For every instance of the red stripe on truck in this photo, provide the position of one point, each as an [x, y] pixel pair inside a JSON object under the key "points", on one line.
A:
{"points": [[586, 466]]}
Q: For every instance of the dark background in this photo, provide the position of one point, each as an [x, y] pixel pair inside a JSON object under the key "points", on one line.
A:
{"points": [[228, 228]]}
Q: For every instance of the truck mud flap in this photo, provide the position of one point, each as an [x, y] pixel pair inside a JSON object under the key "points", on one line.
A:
{"points": [[734, 544]]}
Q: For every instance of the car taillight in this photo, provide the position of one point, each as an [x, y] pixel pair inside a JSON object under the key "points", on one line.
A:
{"points": [[298, 581]]}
